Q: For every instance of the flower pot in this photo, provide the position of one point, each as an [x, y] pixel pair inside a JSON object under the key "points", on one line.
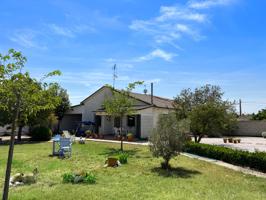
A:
{"points": [[230, 140], [130, 138], [225, 140], [235, 141], [238, 140]]}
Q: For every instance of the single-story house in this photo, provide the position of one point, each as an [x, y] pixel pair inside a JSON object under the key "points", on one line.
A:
{"points": [[147, 109]]}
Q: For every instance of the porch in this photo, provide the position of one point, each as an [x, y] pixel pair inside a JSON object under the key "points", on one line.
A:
{"points": [[109, 126]]}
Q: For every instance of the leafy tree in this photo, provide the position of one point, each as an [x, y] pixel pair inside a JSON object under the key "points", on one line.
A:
{"points": [[167, 139], [64, 105], [261, 115], [121, 104], [20, 96], [211, 118], [206, 109]]}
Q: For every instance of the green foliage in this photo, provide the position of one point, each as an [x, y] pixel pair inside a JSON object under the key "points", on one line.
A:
{"points": [[168, 138], [68, 178], [261, 115], [211, 119], [5, 118], [122, 157], [41, 134], [64, 104], [20, 92], [256, 160], [207, 112], [88, 178], [121, 104]]}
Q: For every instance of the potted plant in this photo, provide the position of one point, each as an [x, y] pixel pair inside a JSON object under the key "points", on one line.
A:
{"points": [[235, 141], [130, 137], [230, 140], [225, 140], [238, 140], [88, 133]]}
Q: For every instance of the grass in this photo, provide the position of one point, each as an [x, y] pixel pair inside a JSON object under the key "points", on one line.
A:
{"points": [[141, 178]]}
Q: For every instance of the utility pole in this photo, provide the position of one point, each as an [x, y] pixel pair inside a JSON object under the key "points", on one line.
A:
{"points": [[114, 76], [240, 107]]}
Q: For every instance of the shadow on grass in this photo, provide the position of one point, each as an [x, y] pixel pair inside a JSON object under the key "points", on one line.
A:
{"points": [[23, 141], [175, 172], [115, 151]]}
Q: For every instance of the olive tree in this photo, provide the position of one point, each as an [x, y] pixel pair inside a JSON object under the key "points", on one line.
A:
{"points": [[20, 95], [168, 137]]}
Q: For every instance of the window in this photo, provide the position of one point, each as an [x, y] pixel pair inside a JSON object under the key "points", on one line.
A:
{"points": [[117, 122], [130, 121]]}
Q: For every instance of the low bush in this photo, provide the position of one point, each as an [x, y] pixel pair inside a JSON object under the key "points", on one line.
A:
{"points": [[122, 157], [75, 178], [256, 160], [41, 133]]}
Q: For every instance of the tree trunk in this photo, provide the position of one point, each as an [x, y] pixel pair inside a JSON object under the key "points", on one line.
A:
{"points": [[11, 150], [195, 138], [121, 134], [165, 164], [200, 137], [19, 132]]}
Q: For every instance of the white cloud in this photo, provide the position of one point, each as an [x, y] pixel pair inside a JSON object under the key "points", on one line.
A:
{"points": [[204, 4], [178, 13], [70, 31], [157, 53], [175, 22], [26, 38], [59, 30]]}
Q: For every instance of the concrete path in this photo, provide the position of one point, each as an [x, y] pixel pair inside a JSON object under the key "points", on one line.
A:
{"points": [[213, 161], [145, 143], [250, 144], [227, 165]]}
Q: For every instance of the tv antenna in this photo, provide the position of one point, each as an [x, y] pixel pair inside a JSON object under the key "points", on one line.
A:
{"points": [[114, 75]]}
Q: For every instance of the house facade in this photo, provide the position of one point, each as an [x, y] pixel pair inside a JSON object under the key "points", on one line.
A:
{"points": [[147, 109]]}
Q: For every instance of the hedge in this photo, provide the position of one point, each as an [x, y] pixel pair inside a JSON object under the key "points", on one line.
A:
{"points": [[254, 160], [41, 133]]}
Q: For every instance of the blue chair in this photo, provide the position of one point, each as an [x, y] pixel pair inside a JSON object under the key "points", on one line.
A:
{"points": [[65, 147]]}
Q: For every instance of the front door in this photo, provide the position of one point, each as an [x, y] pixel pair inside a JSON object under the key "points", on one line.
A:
{"points": [[138, 126]]}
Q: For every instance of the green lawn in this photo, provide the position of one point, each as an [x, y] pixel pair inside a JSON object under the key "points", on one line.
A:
{"points": [[141, 178]]}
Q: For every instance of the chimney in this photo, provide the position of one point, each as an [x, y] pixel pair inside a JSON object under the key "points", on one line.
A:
{"points": [[151, 93]]}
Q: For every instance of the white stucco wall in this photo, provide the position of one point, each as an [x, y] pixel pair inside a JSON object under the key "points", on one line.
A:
{"points": [[149, 119]]}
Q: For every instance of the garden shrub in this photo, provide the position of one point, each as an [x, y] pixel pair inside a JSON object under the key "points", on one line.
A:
{"points": [[76, 178], [41, 133], [122, 157], [168, 138], [89, 178], [255, 160]]}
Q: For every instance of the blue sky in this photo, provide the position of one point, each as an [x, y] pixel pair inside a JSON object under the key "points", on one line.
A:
{"points": [[174, 43]]}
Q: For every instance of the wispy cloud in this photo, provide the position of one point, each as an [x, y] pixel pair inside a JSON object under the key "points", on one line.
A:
{"points": [[179, 13], [70, 31], [176, 22], [157, 53], [205, 4], [26, 38], [59, 30]]}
